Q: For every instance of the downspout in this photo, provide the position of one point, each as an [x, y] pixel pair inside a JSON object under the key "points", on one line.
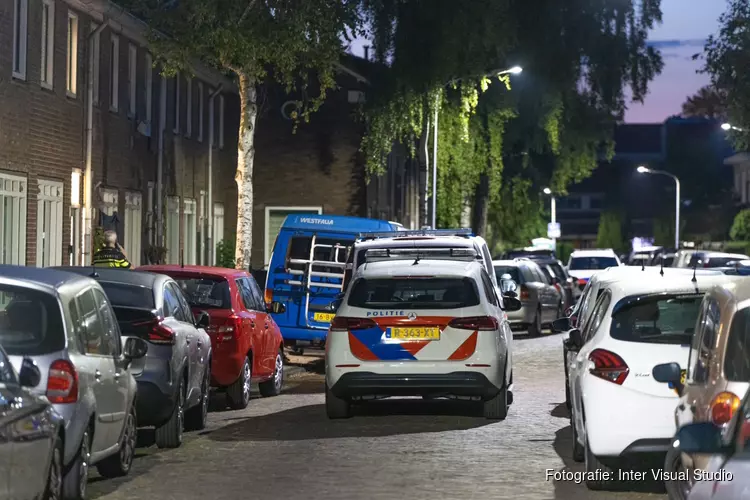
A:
{"points": [[88, 189], [210, 211], [160, 162]]}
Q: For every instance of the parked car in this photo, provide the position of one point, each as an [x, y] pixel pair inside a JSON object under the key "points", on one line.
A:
{"points": [[247, 342], [32, 441], [619, 412], [529, 253], [714, 259], [65, 324], [541, 302], [441, 335], [645, 256], [174, 377], [583, 264], [556, 274], [715, 378], [682, 258]]}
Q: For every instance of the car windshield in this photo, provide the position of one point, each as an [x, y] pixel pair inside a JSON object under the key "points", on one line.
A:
{"points": [[206, 292], [663, 319], [512, 270], [31, 323], [414, 293], [591, 263], [127, 295]]}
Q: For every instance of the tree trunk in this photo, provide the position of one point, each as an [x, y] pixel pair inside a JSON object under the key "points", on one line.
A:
{"points": [[244, 175], [424, 168], [481, 205]]}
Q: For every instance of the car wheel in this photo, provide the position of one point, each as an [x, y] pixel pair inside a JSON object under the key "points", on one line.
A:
{"points": [[119, 464], [337, 407], [596, 472], [196, 417], [677, 490], [535, 328], [579, 452], [169, 435], [560, 310], [77, 478], [55, 474], [497, 407], [272, 387], [238, 394]]}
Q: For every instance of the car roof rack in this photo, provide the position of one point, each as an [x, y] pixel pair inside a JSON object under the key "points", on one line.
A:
{"points": [[417, 254], [463, 232]]}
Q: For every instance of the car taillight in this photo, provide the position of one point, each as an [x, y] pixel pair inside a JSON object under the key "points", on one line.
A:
{"points": [[341, 323], [479, 323], [62, 382], [723, 407], [227, 331], [524, 293], [558, 288], [608, 366], [158, 332], [581, 282], [268, 295]]}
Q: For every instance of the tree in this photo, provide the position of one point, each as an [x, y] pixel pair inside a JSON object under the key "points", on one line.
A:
{"points": [[708, 102], [296, 43], [741, 226], [610, 232]]}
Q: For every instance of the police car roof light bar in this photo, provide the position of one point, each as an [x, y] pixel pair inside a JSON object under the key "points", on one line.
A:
{"points": [[465, 232], [391, 254]]}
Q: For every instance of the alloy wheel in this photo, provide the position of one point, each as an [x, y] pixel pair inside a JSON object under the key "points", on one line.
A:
{"points": [[246, 377], [129, 437], [206, 395], [180, 414], [278, 376], [55, 476], [83, 470]]}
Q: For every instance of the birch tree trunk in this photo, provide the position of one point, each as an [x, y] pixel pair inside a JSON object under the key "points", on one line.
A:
{"points": [[244, 175]]}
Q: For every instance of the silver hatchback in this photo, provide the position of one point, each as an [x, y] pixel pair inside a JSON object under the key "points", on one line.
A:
{"points": [[65, 324]]}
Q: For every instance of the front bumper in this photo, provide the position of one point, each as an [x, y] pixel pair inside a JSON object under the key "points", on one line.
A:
{"points": [[368, 384]]}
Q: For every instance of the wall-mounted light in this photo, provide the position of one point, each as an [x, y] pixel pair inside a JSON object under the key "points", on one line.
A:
{"points": [[75, 188]]}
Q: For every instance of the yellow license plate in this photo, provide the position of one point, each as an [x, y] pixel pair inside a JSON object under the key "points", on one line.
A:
{"points": [[413, 333], [323, 317]]}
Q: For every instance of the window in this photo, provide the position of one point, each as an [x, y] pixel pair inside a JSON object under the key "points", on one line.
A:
{"points": [[206, 292], [409, 293], [94, 58], [666, 319], [48, 43], [49, 224], [110, 332], [737, 362], [275, 218], [121, 294], [201, 98], [176, 129], [512, 270], [20, 34], [709, 327], [527, 274], [133, 227], [110, 201], [173, 230], [13, 219], [247, 295], [221, 122], [189, 107], [132, 79], [218, 228], [187, 313], [72, 57], [191, 229], [149, 84], [489, 289], [114, 73], [32, 323], [257, 294], [591, 263], [172, 307], [597, 316], [92, 336], [325, 251]]}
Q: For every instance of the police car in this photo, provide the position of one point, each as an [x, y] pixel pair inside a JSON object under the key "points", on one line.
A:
{"points": [[421, 322]]}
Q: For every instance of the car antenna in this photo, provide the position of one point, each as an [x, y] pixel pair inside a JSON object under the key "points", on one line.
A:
{"points": [[93, 274], [182, 259], [661, 271], [695, 267], [643, 264], [416, 261]]}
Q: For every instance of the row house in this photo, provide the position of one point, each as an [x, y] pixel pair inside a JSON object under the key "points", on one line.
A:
{"points": [[93, 135]]}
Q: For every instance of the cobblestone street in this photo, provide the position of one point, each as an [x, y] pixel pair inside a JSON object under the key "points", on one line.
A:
{"points": [[286, 448]]}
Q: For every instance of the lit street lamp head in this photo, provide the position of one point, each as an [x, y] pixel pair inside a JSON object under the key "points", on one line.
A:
{"points": [[515, 70], [643, 170], [547, 191], [726, 126]]}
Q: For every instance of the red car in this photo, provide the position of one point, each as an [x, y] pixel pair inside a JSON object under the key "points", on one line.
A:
{"points": [[247, 342]]}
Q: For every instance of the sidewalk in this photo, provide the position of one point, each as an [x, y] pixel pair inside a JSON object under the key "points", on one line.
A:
{"points": [[312, 362]]}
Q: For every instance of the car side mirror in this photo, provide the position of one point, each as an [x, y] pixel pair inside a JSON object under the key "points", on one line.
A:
{"points": [[702, 438], [561, 325], [512, 304], [276, 308], [576, 338], [30, 375], [203, 320], [135, 348], [669, 373], [568, 311]]}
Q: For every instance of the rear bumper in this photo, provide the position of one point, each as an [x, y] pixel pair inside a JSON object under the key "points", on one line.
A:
{"points": [[362, 384], [153, 406], [312, 335]]}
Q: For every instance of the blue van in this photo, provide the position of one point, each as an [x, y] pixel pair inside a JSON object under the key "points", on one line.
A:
{"points": [[307, 268]]}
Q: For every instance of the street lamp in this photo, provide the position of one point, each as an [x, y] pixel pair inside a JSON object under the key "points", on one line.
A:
{"points": [[644, 170], [553, 212], [729, 126], [513, 71]]}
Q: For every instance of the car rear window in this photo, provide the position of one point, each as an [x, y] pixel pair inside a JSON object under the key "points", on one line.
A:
{"points": [[737, 361], [512, 270], [414, 293], [206, 292], [720, 261], [591, 263], [663, 319], [31, 323], [124, 294]]}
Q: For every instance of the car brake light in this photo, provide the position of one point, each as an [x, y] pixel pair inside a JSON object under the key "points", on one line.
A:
{"points": [[608, 366], [723, 407], [268, 295], [158, 332], [479, 323], [341, 323], [524, 293], [62, 382], [582, 282]]}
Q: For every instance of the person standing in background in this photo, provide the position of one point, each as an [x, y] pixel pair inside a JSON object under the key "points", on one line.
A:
{"points": [[111, 254]]}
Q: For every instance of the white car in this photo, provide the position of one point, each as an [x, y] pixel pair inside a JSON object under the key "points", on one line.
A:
{"points": [[645, 318], [421, 323], [583, 264]]}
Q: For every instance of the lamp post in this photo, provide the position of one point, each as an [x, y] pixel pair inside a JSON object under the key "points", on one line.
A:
{"points": [[512, 71], [552, 210], [646, 170]]}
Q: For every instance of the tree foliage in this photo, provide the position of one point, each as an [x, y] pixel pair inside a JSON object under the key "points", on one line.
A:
{"points": [[741, 226], [709, 102], [610, 232]]}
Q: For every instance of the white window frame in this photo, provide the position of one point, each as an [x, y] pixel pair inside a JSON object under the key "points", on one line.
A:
{"points": [[189, 107], [173, 230], [20, 38], [114, 73], [13, 188], [71, 70], [217, 229], [202, 226], [94, 58], [133, 226], [176, 128], [190, 232], [48, 44], [49, 241], [268, 246], [221, 121], [132, 79], [149, 84], [201, 98]]}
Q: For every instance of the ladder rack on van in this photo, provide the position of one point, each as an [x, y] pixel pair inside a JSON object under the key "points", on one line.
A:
{"points": [[464, 232], [394, 254]]}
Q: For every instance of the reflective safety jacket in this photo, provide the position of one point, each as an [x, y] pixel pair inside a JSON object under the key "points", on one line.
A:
{"points": [[110, 257]]}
